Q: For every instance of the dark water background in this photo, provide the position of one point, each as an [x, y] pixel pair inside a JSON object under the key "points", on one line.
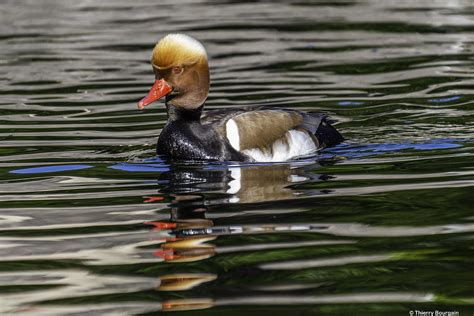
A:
{"points": [[92, 223]]}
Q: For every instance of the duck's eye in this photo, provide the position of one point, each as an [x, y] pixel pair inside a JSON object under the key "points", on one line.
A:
{"points": [[177, 70]]}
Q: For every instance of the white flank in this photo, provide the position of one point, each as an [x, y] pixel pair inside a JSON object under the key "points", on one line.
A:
{"points": [[299, 144], [232, 131]]}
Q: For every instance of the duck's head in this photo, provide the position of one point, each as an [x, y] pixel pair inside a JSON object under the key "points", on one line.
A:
{"points": [[181, 71]]}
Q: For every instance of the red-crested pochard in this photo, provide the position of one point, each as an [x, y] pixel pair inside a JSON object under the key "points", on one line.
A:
{"points": [[250, 134]]}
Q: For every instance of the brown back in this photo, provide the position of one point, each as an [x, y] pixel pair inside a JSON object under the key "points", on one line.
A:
{"points": [[259, 129]]}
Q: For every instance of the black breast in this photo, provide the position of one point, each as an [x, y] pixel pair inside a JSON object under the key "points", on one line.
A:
{"points": [[191, 140]]}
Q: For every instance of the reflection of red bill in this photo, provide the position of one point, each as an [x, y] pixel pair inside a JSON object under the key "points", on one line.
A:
{"points": [[161, 225], [151, 199], [167, 254]]}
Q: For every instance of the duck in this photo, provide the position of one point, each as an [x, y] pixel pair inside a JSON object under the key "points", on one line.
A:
{"points": [[250, 134]]}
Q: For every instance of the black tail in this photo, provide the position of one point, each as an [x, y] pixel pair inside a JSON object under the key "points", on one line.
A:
{"points": [[328, 134]]}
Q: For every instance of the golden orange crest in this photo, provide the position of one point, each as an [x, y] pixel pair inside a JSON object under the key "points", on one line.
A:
{"points": [[177, 49]]}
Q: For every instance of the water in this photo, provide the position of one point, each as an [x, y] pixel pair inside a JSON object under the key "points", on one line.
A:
{"points": [[91, 222]]}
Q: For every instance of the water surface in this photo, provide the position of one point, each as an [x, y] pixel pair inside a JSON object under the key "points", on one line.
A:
{"points": [[92, 222]]}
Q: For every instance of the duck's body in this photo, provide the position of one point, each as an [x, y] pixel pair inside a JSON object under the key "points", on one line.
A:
{"points": [[249, 134]]}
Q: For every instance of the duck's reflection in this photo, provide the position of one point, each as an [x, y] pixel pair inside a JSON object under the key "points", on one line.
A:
{"points": [[193, 190], [242, 184]]}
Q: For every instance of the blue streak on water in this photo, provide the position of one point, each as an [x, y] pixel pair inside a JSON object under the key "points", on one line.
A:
{"points": [[350, 103], [49, 169], [157, 164], [140, 167], [444, 100], [355, 151]]}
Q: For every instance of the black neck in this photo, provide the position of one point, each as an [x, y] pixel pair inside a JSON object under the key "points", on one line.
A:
{"points": [[180, 114]]}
